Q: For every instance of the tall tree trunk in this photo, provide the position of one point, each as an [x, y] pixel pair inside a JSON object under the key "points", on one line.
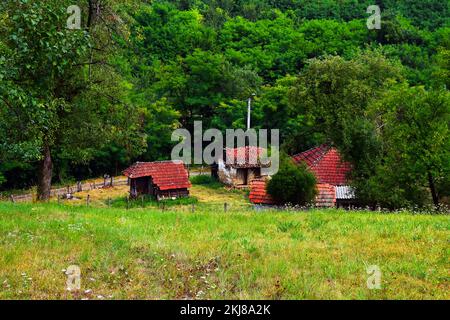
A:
{"points": [[433, 190], [45, 175]]}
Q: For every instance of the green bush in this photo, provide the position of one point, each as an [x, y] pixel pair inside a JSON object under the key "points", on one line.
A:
{"points": [[204, 180], [293, 184]]}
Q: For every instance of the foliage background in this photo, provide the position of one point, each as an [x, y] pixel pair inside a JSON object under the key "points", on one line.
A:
{"points": [[320, 76]]}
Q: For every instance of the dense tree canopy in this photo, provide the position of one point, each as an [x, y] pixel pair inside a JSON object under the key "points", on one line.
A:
{"points": [[396, 136], [95, 99], [61, 98]]}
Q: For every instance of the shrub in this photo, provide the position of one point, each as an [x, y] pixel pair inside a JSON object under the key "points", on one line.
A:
{"points": [[293, 184], [204, 180]]}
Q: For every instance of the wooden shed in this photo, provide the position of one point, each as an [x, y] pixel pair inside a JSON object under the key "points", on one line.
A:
{"points": [[161, 180]]}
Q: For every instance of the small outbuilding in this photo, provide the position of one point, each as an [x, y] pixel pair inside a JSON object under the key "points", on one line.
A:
{"points": [[240, 166], [161, 180], [332, 173], [258, 193]]}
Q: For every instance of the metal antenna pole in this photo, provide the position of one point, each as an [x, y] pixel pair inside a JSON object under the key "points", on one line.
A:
{"points": [[249, 113]]}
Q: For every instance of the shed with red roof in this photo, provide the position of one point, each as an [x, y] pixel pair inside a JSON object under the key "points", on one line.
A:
{"points": [[162, 180]]}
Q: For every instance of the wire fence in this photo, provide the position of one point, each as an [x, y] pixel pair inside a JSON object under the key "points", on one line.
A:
{"points": [[187, 205], [69, 191]]}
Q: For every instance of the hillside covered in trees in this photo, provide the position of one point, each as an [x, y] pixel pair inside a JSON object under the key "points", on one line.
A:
{"points": [[82, 103]]}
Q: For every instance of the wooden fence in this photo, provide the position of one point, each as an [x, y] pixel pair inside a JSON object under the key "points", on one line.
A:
{"points": [[88, 186], [79, 187]]}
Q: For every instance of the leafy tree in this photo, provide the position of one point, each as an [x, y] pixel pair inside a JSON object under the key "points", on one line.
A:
{"points": [[58, 93], [197, 85], [97, 97], [333, 37], [416, 146], [293, 184], [163, 33], [396, 136], [335, 92], [441, 72], [273, 48], [273, 109]]}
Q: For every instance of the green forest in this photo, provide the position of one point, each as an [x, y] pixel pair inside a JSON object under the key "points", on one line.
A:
{"points": [[79, 103]]}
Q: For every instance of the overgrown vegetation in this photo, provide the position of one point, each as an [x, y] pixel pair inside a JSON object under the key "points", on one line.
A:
{"points": [[293, 184], [151, 254], [112, 93], [207, 181]]}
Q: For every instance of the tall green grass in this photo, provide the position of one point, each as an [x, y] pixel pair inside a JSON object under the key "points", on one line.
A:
{"points": [[147, 253]]}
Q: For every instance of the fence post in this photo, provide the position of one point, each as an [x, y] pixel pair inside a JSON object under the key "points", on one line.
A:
{"points": [[225, 207], [88, 199], [79, 186], [142, 201], [12, 199], [112, 181], [193, 208]]}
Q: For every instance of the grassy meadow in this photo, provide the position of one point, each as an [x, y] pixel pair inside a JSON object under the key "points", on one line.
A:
{"points": [[148, 253]]}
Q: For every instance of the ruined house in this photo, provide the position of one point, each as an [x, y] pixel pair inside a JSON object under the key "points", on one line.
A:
{"points": [[332, 174], [332, 179], [239, 166]]}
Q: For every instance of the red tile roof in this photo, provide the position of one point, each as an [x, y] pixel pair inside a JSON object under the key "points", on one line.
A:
{"points": [[245, 157], [326, 197], [167, 175], [327, 165], [258, 192]]}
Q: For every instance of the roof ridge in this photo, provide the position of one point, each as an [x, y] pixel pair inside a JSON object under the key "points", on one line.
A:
{"points": [[161, 161], [169, 174], [313, 148], [324, 148]]}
